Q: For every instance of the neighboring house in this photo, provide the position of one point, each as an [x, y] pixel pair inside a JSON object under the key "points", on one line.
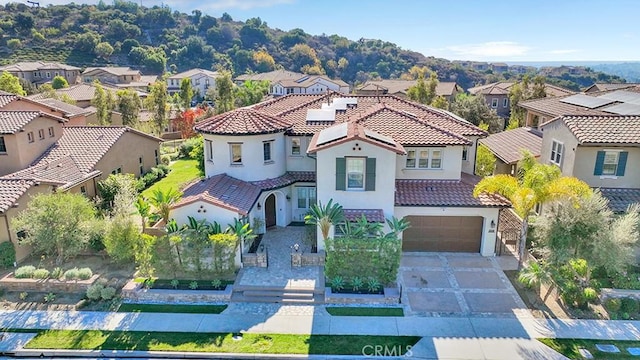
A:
{"points": [[119, 77], [75, 162], [598, 87], [399, 88], [378, 156], [286, 82], [507, 147], [499, 67], [497, 95], [40, 72], [73, 114], [82, 94], [201, 81]]}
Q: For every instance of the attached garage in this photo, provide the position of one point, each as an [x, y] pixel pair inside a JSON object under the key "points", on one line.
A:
{"points": [[443, 233]]}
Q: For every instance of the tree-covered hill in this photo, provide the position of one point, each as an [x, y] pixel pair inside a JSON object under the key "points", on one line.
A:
{"points": [[158, 39]]}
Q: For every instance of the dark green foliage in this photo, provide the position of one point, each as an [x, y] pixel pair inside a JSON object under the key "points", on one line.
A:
{"points": [[188, 145], [7, 254], [630, 306]]}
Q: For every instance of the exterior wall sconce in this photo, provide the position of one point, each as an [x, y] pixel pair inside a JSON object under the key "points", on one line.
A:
{"points": [[288, 198], [259, 206], [493, 224]]}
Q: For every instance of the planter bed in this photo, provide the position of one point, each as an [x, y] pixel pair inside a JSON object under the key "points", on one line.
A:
{"points": [[165, 284], [135, 291], [388, 297], [10, 283]]}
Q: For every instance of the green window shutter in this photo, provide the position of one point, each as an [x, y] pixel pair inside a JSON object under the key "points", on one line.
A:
{"points": [[599, 163], [370, 178], [341, 174], [622, 163]]}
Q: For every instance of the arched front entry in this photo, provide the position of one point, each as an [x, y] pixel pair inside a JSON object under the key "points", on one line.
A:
{"points": [[270, 211]]}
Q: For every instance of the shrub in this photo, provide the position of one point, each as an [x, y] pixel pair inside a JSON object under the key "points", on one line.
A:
{"points": [[216, 283], [71, 274], [85, 274], [157, 172], [165, 159], [589, 294], [337, 283], [41, 274], [56, 273], [94, 292], [49, 298], [23, 295], [629, 305], [373, 285], [108, 293], [187, 146], [175, 283], [24, 272], [612, 305], [165, 169], [356, 283], [7, 254], [193, 285]]}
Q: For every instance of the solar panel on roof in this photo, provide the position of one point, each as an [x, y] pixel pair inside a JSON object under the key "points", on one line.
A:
{"points": [[587, 101], [622, 96], [333, 133], [374, 135], [623, 109], [321, 114]]}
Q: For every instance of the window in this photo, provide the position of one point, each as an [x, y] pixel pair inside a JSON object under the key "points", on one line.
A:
{"points": [[266, 150], [295, 146], [436, 159], [424, 158], [3, 146], [505, 102], [494, 103], [157, 155], [83, 190], [51, 132], [209, 149], [411, 158], [141, 164], [556, 152], [236, 154], [48, 74], [611, 163], [355, 173], [117, 171], [306, 197], [423, 161], [30, 136], [41, 134], [465, 151]]}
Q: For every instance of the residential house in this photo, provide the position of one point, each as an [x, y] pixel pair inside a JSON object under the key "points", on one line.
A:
{"points": [[598, 87], [73, 114], [507, 147], [201, 81], [40, 72], [497, 95], [78, 158], [286, 82], [378, 156], [479, 66], [119, 77], [499, 67], [399, 88]]}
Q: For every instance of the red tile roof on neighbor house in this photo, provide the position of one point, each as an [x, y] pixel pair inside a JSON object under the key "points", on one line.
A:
{"points": [[395, 86], [445, 193], [508, 145], [244, 121], [11, 190], [602, 129], [13, 121], [621, 198]]}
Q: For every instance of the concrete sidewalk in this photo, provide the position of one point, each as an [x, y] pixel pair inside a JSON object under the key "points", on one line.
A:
{"points": [[443, 337]]}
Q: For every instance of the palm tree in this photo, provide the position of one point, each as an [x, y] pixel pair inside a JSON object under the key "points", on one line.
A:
{"points": [[536, 184], [175, 237], [144, 209], [162, 201], [397, 226], [242, 230], [324, 216], [536, 274]]}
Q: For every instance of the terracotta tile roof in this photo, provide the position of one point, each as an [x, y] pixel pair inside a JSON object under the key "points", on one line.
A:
{"points": [[602, 129], [271, 76], [552, 106], [450, 193], [83, 92], [503, 87], [620, 198], [372, 215], [401, 86], [11, 190], [609, 86], [6, 98], [286, 180], [36, 65], [115, 70], [223, 191], [506, 145], [65, 172], [353, 131], [244, 121], [12, 121], [191, 72], [67, 109]]}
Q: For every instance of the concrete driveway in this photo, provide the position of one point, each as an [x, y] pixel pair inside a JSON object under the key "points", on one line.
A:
{"points": [[438, 284]]}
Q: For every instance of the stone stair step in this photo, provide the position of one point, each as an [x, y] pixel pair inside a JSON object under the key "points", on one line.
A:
{"points": [[316, 299], [279, 294], [242, 288]]}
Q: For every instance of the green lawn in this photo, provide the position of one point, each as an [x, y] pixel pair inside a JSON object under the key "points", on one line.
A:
{"points": [[569, 348], [364, 311], [216, 342], [169, 308], [182, 172]]}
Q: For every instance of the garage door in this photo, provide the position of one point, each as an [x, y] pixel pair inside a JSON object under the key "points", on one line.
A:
{"points": [[443, 233]]}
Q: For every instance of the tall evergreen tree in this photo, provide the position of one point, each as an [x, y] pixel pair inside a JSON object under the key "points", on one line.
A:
{"points": [[129, 105], [157, 103], [225, 98], [186, 93]]}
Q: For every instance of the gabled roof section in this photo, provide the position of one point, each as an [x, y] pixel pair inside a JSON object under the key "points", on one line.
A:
{"points": [[37, 65], [192, 72], [6, 98], [64, 172], [503, 88], [352, 131], [11, 190], [223, 191], [621, 198], [271, 76], [244, 121], [553, 106], [82, 92], [602, 129], [395, 86], [13, 121], [507, 145], [115, 70], [68, 109]]}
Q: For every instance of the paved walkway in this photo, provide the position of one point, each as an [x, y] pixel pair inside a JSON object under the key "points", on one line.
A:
{"points": [[279, 273], [443, 337]]}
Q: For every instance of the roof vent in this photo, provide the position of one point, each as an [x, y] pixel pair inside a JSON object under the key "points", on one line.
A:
{"points": [[431, 188]]}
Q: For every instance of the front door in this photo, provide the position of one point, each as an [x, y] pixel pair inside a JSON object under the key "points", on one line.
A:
{"points": [[270, 211]]}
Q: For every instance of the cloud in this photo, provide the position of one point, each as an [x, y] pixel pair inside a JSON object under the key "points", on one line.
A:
{"points": [[492, 49], [564, 51]]}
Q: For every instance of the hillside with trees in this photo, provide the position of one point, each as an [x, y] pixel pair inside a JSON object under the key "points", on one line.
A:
{"points": [[158, 39]]}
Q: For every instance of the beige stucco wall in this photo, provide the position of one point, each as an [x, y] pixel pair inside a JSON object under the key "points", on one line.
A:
{"points": [[451, 165], [126, 152], [502, 168], [558, 131], [89, 186], [585, 160]]}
